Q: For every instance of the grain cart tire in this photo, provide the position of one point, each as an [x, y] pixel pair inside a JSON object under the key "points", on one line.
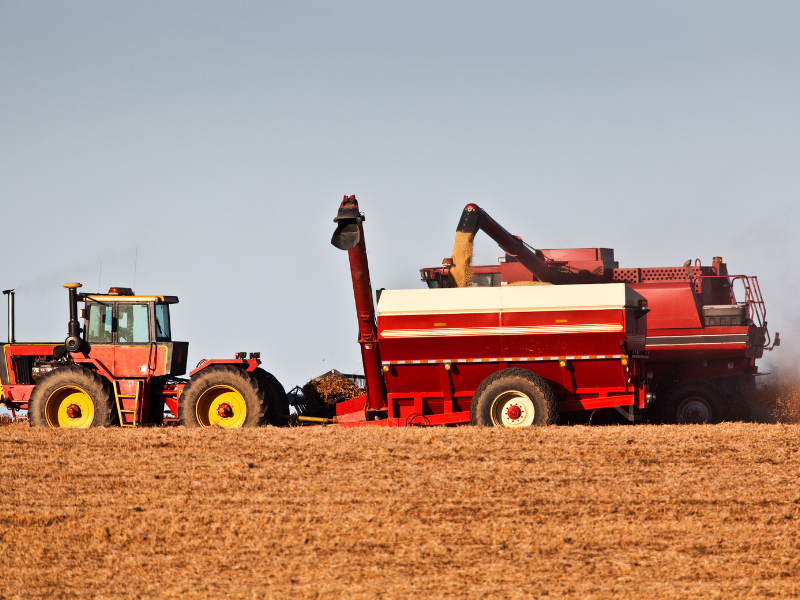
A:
{"points": [[72, 397], [224, 396], [277, 400], [692, 402], [514, 398]]}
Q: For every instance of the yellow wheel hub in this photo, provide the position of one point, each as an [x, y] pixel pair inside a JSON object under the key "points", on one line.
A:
{"points": [[69, 406], [221, 405], [512, 409]]}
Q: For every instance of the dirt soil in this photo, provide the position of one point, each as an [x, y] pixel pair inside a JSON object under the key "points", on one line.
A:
{"points": [[583, 512]]}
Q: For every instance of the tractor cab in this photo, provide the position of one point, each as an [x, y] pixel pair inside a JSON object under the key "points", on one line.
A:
{"points": [[131, 335]]}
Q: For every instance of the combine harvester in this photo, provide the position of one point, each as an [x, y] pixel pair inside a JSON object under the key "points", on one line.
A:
{"points": [[513, 357], [702, 341]]}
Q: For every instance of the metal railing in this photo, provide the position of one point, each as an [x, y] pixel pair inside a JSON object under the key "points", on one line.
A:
{"points": [[756, 309]]}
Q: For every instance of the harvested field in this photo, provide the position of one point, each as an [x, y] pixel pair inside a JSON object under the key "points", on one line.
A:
{"points": [[584, 512]]}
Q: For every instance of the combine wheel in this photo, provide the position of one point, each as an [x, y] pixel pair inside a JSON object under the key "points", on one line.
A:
{"points": [[514, 398], [222, 395], [692, 402], [277, 401], [71, 397]]}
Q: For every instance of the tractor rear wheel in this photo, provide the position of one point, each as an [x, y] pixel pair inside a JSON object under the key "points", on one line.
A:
{"points": [[514, 398], [277, 400], [224, 396], [71, 397], [692, 402]]}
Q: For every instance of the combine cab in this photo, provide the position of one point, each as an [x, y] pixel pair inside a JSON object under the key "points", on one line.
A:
{"points": [[123, 368], [705, 330]]}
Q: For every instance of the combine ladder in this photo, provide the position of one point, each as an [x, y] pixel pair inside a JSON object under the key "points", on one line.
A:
{"points": [[120, 397]]}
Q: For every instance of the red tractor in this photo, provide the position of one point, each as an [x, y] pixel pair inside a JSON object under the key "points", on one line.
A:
{"points": [[703, 340], [122, 368]]}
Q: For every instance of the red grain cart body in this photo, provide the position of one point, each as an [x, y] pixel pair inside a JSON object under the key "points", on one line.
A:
{"points": [[439, 346], [510, 356]]}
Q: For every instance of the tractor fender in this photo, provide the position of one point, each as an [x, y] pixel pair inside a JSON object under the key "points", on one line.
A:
{"points": [[248, 364]]}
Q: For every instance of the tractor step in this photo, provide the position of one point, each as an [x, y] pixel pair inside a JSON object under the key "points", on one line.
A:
{"points": [[120, 398]]}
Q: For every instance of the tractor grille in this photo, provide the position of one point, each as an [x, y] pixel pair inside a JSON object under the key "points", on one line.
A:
{"points": [[22, 369]]}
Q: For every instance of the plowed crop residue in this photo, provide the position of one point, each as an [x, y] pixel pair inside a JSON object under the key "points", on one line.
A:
{"points": [[583, 512], [781, 394], [330, 389]]}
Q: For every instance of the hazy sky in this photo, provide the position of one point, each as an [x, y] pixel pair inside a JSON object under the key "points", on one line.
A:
{"points": [[218, 139]]}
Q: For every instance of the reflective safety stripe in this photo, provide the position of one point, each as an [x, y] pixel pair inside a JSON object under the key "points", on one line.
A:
{"points": [[691, 340], [495, 360], [486, 331]]}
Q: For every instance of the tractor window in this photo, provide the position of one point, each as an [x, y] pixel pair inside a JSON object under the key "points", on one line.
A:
{"points": [[98, 330], [133, 326], [163, 333]]}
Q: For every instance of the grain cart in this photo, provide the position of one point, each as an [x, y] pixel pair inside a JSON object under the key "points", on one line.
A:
{"points": [[122, 367], [512, 357], [703, 340]]}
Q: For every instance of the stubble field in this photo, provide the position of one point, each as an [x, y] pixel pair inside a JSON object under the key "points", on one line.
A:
{"points": [[590, 512]]}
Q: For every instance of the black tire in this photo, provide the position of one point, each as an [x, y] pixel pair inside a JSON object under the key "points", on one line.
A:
{"points": [[277, 400], [493, 401], [215, 387], [72, 397], [692, 402]]}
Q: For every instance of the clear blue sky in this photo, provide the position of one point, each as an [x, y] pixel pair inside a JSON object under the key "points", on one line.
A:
{"points": [[218, 138]]}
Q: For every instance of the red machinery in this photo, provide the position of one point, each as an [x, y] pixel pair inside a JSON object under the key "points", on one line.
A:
{"points": [[703, 342], [122, 368], [508, 357]]}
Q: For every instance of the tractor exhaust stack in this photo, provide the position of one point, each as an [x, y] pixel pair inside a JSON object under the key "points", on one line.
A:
{"points": [[349, 235], [10, 294], [73, 341]]}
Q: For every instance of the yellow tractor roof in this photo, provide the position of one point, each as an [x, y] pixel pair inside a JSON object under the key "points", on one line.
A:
{"points": [[104, 298], [121, 294]]}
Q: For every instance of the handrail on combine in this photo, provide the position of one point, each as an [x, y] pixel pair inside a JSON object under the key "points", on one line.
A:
{"points": [[756, 309]]}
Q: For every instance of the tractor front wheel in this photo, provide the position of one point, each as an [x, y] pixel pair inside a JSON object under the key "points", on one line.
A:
{"points": [[224, 396], [514, 398], [71, 397]]}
